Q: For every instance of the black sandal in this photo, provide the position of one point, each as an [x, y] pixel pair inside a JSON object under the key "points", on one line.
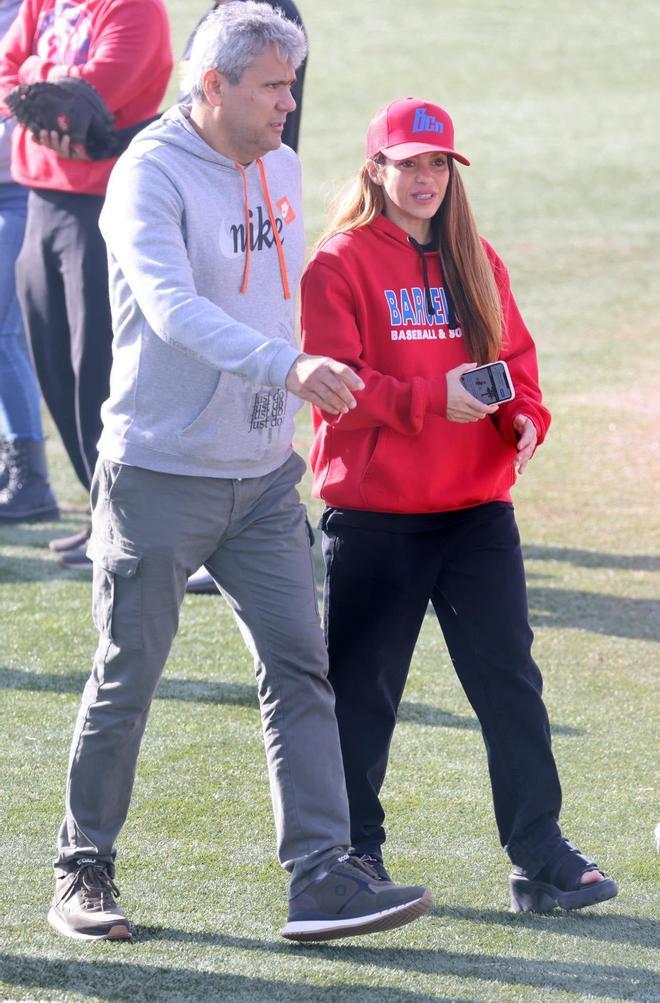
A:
{"points": [[558, 883]]}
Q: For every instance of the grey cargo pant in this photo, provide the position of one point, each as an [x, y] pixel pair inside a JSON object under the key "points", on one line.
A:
{"points": [[150, 531]]}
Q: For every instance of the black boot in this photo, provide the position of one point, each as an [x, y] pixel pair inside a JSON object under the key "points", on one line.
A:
{"points": [[27, 496]]}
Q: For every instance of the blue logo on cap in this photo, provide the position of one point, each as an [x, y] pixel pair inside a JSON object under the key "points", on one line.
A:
{"points": [[423, 122]]}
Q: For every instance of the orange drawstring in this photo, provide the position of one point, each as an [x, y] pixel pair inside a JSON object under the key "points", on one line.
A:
{"points": [[278, 242], [248, 249], [271, 216]]}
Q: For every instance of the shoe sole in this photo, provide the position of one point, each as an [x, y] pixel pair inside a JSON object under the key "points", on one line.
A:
{"points": [[388, 919], [65, 543], [537, 896], [119, 931], [37, 515]]}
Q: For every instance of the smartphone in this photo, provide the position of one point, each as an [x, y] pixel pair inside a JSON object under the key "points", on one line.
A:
{"points": [[491, 384]]}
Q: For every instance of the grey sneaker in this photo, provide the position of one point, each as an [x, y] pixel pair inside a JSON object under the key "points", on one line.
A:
{"points": [[84, 904], [349, 900]]}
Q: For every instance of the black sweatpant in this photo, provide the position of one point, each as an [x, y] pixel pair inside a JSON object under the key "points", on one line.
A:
{"points": [[62, 285], [378, 585]]}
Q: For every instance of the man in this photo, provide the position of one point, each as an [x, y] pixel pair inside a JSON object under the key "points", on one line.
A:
{"points": [[122, 48], [291, 130], [205, 247]]}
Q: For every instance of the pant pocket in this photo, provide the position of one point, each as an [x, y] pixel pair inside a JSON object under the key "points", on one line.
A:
{"points": [[112, 566]]}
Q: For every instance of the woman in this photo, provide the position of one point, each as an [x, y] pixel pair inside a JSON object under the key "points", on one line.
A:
{"points": [[416, 481]]}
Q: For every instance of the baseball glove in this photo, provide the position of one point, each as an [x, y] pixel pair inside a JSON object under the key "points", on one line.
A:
{"points": [[71, 107]]}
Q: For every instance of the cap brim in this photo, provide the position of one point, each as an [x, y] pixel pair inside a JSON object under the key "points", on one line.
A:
{"points": [[405, 150]]}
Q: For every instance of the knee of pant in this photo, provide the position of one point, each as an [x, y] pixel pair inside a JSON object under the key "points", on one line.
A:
{"points": [[122, 686], [297, 655]]}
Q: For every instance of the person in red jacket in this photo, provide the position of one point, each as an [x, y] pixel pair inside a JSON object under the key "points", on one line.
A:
{"points": [[123, 49], [416, 480]]}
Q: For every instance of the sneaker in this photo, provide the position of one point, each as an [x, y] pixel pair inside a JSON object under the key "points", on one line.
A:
{"points": [[375, 863], [84, 905], [76, 560], [349, 900]]}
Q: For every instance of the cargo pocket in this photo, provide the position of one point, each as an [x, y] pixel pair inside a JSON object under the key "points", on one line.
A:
{"points": [[113, 569]]}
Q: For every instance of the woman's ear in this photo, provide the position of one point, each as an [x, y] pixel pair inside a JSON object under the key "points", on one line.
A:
{"points": [[373, 170]]}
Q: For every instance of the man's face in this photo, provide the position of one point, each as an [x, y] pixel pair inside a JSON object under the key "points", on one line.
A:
{"points": [[254, 110]]}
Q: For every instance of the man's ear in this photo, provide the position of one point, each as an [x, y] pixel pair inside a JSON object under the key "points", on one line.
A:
{"points": [[373, 170], [213, 83]]}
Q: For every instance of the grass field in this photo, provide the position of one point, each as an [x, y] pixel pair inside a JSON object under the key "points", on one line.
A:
{"points": [[554, 103]]}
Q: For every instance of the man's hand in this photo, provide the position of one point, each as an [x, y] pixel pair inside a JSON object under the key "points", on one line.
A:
{"points": [[324, 382], [461, 405], [527, 438], [60, 144]]}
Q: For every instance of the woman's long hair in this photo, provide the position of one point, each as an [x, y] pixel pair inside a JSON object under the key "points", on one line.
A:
{"points": [[466, 270]]}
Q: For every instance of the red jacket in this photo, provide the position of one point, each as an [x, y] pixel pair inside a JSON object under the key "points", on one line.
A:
{"points": [[363, 303], [120, 47]]}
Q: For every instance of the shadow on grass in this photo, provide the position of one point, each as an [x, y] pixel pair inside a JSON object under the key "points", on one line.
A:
{"points": [[593, 558], [230, 694], [118, 980], [113, 979], [421, 713], [615, 616], [610, 927], [38, 534]]}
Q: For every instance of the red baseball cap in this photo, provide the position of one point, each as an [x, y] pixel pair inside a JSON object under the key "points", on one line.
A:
{"points": [[409, 127]]}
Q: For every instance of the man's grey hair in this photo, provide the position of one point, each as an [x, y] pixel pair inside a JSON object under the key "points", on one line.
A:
{"points": [[233, 35]]}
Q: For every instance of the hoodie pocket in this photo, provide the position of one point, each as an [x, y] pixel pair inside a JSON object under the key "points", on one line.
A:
{"points": [[200, 437]]}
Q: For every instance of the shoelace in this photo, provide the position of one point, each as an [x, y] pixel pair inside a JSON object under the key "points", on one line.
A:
{"points": [[95, 885], [361, 864]]}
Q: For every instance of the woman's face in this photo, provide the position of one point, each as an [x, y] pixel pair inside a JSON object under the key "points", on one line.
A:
{"points": [[413, 190]]}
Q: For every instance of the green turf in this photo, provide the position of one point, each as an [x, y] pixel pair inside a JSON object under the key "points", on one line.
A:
{"points": [[554, 104]]}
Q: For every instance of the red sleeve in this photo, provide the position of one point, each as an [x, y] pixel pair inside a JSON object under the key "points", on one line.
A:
{"points": [[330, 327], [15, 49], [122, 51], [519, 353], [125, 51]]}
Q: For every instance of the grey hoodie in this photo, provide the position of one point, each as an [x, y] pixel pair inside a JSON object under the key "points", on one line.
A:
{"points": [[197, 382]]}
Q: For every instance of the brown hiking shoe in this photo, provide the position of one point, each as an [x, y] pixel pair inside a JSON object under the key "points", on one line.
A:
{"points": [[84, 904]]}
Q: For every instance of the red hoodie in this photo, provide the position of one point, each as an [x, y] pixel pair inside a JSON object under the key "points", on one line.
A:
{"points": [[363, 303], [120, 47]]}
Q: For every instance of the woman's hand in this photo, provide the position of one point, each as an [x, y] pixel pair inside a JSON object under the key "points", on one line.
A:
{"points": [[527, 438], [461, 405]]}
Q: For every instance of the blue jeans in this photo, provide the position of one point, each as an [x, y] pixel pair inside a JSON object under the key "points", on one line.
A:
{"points": [[20, 400]]}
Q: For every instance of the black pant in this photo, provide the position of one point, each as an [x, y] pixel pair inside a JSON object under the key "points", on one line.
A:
{"points": [[378, 586], [62, 285]]}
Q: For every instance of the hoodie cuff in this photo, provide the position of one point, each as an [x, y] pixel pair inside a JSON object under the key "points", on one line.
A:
{"points": [[438, 397], [281, 364]]}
